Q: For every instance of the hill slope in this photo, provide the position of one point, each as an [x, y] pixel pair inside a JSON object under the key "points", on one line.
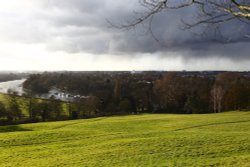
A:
{"points": [[140, 140]]}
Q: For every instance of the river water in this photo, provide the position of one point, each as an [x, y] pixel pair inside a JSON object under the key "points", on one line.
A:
{"points": [[15, 85]]}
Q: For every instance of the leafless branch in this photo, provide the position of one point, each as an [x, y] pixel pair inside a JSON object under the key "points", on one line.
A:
{"points": [[211, 12]]}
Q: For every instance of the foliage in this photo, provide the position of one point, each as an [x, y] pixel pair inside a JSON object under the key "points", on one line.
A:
{"points": [[9, 76], [2, 110], [113, 93], [13, 112]]}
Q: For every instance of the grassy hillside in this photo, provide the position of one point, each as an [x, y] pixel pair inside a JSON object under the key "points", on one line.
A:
{"points": [[139, 140]]}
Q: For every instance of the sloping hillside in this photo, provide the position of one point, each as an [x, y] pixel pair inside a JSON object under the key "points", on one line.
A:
{"points": [[139, 140]]}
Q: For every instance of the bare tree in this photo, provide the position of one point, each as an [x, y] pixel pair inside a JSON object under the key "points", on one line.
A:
{"points": [[217, 95], [209, 12]]}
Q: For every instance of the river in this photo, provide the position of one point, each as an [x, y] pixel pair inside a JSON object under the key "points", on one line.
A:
{"points": [[15, 85]]}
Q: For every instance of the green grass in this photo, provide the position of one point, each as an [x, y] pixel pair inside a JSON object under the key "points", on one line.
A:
{"points": [[139, 140], [23, 103]]}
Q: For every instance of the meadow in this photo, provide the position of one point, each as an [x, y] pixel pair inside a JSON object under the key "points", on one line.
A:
{"points": [[138, 140]]}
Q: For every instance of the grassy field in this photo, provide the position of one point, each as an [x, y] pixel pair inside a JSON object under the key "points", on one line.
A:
{"points": [[139, 140]]}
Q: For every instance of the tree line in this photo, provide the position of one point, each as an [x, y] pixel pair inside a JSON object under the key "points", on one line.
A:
{"points": [[10, 76], [16, 109], [116, 93]]}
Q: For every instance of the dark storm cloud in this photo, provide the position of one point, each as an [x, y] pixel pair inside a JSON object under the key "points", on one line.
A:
{"points": [[81, 26], [229, 41]]}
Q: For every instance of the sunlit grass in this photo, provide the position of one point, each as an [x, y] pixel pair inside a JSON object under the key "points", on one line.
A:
{"points": [[139, 140]]}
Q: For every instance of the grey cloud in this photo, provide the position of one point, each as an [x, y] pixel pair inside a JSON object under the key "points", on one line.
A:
{"points": [[231, 42], [84, 6], [80, 26], [93, 43]]}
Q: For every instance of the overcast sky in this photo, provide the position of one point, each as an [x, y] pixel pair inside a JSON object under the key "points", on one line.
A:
{"points": [[75, 35]]}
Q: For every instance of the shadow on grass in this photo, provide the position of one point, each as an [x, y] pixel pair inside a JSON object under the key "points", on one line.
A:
{"points": [[12, 128]]}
